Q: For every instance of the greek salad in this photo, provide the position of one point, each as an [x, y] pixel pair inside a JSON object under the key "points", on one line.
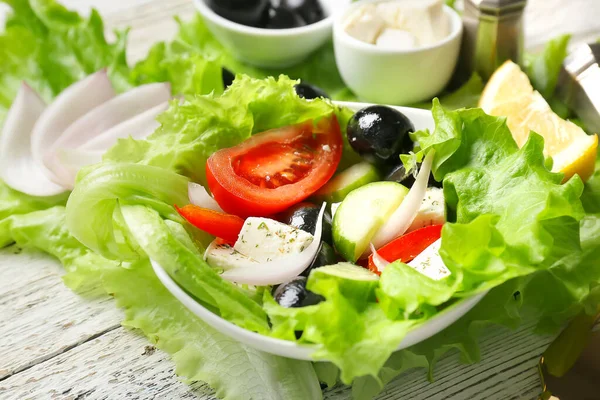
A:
{"points": [[286, 213]]}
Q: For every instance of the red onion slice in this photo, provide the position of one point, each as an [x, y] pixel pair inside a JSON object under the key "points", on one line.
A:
{"points": [[405, 214], [280, 270], [200, 197], [17, 166]]}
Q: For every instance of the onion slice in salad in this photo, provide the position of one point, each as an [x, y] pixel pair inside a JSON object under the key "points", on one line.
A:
{"points": [[280, 270], [199, 197], [139, 127], [71, 161], [72, 104], [379, 261], [17, 167], [405, 214]]}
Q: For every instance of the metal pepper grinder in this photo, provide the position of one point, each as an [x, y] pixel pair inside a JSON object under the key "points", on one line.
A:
{"points": [[493, 33], [579, 84]]}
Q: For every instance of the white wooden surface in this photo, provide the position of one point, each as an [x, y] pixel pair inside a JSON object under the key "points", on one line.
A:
{"points": [[58, 345]]}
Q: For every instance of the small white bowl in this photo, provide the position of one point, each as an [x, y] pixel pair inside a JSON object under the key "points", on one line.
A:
{"points": [[271, 48], [422, 119], [395, 76]]}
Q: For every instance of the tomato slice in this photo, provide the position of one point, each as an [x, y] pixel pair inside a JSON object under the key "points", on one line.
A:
{"points": [[276, 169], [221, 225], [407, 247]]}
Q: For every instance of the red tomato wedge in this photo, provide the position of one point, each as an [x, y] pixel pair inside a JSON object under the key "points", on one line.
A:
{"points": [[221, 225], [407, 247], [276, 169]]}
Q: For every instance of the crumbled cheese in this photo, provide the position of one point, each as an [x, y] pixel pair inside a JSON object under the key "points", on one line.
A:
{"points": [[396, 39], [225, 257], [364, 24]]}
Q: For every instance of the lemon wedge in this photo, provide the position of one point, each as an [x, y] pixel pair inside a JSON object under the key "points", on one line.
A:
{"points": [[509, 93]]}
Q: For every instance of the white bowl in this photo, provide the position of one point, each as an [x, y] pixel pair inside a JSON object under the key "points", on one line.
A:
{"points": [[271, 48], [422, 119], [394, 76]]}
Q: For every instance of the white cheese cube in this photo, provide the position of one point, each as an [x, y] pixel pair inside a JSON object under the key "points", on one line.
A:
{"points": [[225, 257], [430, 263], [432, 210], [395, 39], [364, 24], [264, 239]]}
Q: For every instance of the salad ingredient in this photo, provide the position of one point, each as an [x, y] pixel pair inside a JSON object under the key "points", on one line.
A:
{"points": [[280, 270], [429, 262], [200, 197], [129, 113], [305, 216], [399, 174], [346, 181], [281, 17], [376, 263], [380, 134], [275, 169], [432, 210], [223, 256], [139, 127], [295, 294], [361, 215], [71, 161], [17, 167], [72, 104], [572, 150], [325, 256], [310, 10], [506, 84], [364, 24], [265, 240], [245, 12], [309, 92], [354, 282], [227, 76], [396, 39], [221, 225], [407, 247], [399, 25], [403, 217]]}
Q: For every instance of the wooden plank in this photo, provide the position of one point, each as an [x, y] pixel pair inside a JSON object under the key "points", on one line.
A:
{"points": [[39, 316], [117, 365]]}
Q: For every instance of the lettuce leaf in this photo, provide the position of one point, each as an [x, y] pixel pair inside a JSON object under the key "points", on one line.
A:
{"points": [[192, 131]]}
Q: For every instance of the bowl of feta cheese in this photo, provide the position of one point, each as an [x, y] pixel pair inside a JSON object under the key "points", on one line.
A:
{"points": [[397, 51]]}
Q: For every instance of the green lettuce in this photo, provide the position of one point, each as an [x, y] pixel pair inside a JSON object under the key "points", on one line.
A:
{"points": [[190, 132]]}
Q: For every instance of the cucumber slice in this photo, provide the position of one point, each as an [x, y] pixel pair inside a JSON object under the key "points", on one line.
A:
{"points": [[343, 183], [362, 213], [355, 283]]}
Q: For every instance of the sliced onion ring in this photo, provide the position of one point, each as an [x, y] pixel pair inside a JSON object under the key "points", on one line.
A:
{"points": [[200, 197], [17, 166], [405, 214], [73, 103], [379, 261], [282, 269]]}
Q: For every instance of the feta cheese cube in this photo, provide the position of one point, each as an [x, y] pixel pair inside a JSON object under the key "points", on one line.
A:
{"points": [[225, 257], [396, 39], [432, 210], [430, 263], [264, 239], [364, 24]]}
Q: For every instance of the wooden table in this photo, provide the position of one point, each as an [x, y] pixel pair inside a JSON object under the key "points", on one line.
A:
{"points": [[55, 344]]}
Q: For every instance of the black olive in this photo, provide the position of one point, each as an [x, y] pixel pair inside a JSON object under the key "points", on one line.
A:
{"points": [[380, 134], [283, 18], [295, 294], [325, 256], [228, 77], [398, 174], [304, 216], [310, 10], [245, 12], [309, 92]]}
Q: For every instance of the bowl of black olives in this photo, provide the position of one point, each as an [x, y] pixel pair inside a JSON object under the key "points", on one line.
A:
{"points": [[270, 33]]}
